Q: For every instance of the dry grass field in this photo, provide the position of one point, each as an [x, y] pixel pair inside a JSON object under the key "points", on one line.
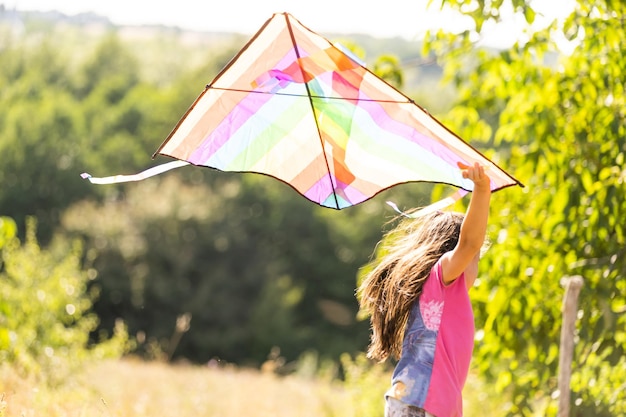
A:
{"points": [[137, 389], [133, 388]]}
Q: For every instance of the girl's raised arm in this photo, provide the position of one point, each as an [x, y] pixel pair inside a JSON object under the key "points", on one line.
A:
{"points": [[473, 228]]}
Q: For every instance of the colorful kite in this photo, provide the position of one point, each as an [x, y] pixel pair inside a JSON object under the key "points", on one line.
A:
{"points": [[294, 106]]}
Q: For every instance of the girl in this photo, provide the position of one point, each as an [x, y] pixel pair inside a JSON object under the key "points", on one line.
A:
{"points": [[417, 296]]}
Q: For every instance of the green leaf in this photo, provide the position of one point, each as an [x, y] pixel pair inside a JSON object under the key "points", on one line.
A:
{"points": [[529, 14]]}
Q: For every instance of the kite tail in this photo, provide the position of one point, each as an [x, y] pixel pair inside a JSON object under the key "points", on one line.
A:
{"points": [[438, 205], [151, 172]]}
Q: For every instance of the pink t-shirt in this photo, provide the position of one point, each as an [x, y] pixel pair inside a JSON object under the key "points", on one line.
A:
{"points": [[437, 348]]}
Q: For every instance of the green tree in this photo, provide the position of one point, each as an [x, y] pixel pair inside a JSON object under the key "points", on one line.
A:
{"points": [[64, 117], [39, 127], [110, 71], [558, 110]]}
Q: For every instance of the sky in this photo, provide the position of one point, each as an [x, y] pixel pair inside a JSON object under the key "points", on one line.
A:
{"points": [[381, 18]]}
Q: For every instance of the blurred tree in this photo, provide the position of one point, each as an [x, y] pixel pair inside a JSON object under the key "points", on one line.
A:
{"points": [[39, 128], [564, 121], [109, 72], [115, 106], [61, 121]]}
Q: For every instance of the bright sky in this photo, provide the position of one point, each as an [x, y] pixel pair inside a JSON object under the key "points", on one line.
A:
{"points": [[383, 18]]}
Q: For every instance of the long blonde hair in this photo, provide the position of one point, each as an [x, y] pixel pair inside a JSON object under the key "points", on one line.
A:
{"points": [[407, 254]]}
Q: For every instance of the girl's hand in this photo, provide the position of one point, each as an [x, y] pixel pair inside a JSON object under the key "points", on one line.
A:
{"points": [[476, 174]]}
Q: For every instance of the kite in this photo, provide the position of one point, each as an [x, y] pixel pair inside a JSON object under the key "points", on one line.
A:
{"points": [[296, 107]]}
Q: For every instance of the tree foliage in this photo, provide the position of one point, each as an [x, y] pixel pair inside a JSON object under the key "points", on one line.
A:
{"points": [[559, 107], [68, 112], [45, 310]]}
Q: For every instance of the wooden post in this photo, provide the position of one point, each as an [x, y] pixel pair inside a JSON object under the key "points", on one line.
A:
{"points": [[566, 352]]}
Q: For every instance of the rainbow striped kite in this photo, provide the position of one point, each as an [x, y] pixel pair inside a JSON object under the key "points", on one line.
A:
{"points": [[294, 106]]}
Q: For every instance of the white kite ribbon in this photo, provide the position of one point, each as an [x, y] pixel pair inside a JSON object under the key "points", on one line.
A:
{"points": [[438, 205], [151, 172]]}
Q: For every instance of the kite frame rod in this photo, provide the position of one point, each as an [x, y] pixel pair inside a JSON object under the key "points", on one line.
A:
{"points": [[317, 126]]}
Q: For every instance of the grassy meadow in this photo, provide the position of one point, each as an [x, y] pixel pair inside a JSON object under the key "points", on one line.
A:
{"points": [[132, 387], [137, 388]]}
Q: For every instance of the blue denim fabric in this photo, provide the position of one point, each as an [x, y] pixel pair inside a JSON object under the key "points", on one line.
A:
{"points": [[396, 408], [415, 367]]}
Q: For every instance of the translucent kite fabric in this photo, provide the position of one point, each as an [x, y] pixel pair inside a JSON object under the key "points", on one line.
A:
{"points": [[293, 106]]}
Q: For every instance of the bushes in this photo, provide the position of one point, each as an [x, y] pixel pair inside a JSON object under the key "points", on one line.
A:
{"points": [[45, 318]]}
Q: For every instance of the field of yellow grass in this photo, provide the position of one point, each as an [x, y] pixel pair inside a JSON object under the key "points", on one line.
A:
{"points": [[134, 388]]}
